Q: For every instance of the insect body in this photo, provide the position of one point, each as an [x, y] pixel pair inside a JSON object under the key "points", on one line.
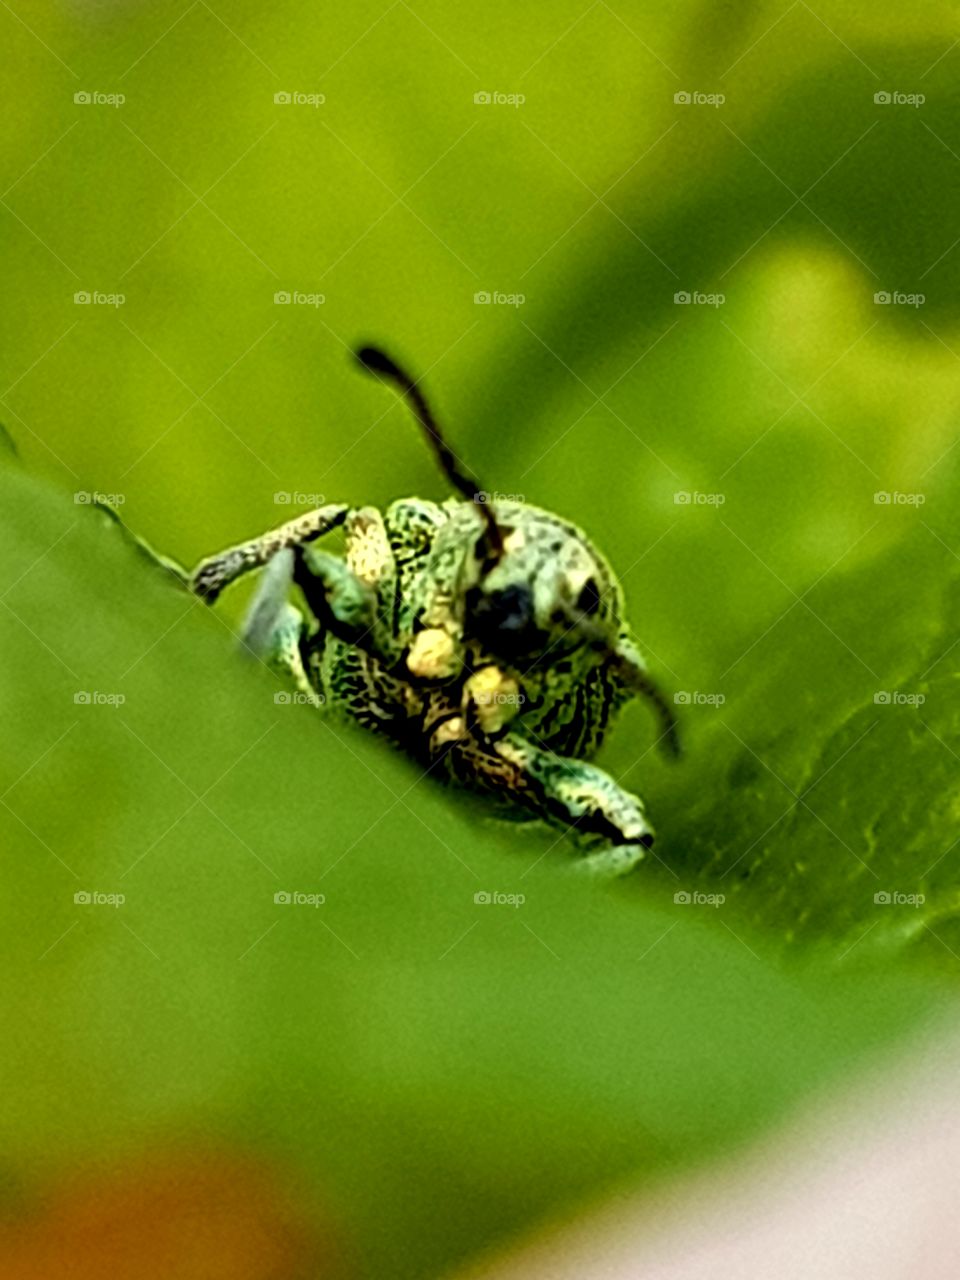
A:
{"points": [[485, 638]]}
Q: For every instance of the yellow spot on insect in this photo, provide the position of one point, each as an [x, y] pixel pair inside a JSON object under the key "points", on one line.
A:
{"points": [[507, 751], [367, 564], [496, 698], [451, 730], [368, 552], [433, 655]]}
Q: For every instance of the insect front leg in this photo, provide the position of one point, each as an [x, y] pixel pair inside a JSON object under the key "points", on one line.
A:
{"points": [[212, 575], [336, 596], [355, 596], [569, 793], [273, 629], [370, 557], [284, 653]]}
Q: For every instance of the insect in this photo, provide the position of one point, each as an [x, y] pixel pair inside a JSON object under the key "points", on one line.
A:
{"points": [[485, 637]]}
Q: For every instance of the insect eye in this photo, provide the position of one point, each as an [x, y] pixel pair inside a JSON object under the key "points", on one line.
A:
{"points": [[588, 601]]}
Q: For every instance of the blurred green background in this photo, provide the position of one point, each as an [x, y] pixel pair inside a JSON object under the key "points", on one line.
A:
{"points": [[444, 1073]]}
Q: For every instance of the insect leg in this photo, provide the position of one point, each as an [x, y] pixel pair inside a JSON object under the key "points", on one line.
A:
{"points": [[369, 555], [570, 793], [284, 655], [337, 596], [269, 603], [213, 574], [273, 628]]}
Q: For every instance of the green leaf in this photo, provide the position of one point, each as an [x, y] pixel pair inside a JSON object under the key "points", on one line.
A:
{"points": [[444, 1071], [821, 796]]}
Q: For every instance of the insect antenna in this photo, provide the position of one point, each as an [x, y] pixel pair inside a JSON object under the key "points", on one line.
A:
{"points": [[380, 364], [642, 684], [636, 678]]}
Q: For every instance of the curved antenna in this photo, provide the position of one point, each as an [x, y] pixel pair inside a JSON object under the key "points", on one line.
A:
{"points": [[378, 363], [634, 675], [639, 681]]}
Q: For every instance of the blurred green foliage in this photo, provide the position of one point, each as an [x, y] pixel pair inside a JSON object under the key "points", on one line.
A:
{"points": [[446, 1072]]}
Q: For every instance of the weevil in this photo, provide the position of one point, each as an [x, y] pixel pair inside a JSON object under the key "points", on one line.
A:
{"points": [[484, 636]]}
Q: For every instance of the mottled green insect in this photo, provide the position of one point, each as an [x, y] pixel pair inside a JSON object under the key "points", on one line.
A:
{"points": [[484, 636]]}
